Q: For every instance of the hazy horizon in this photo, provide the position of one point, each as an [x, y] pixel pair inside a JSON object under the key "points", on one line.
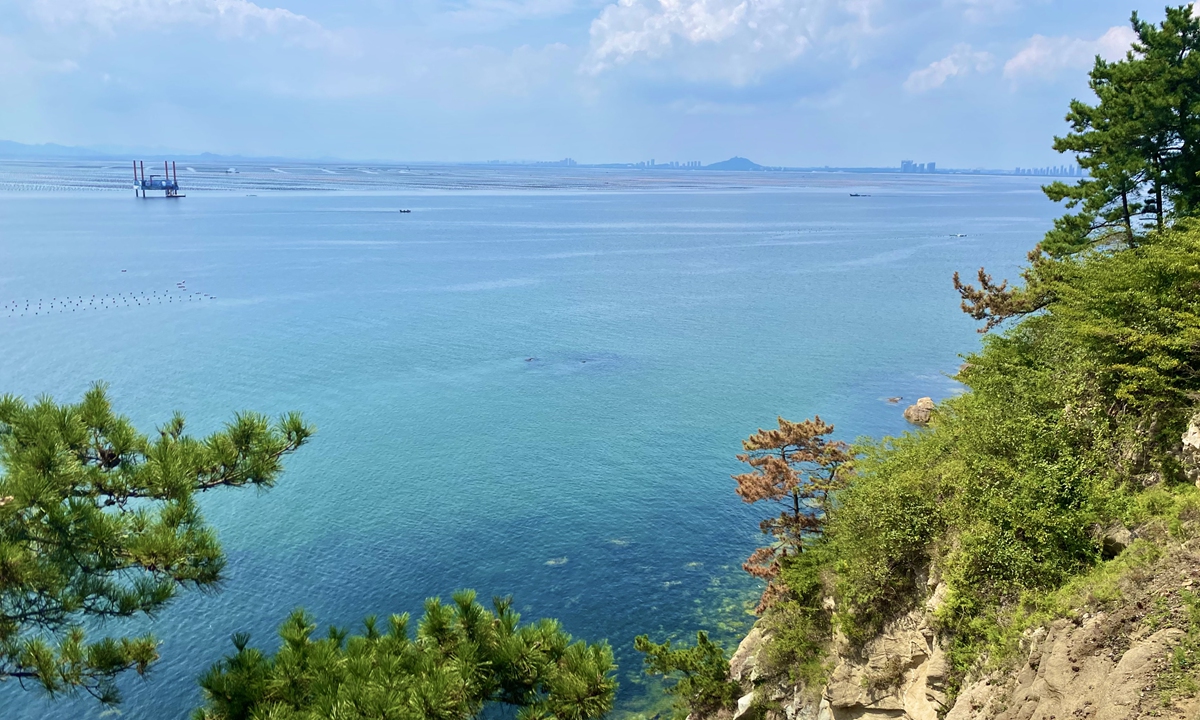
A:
{"points": [[55, 151], [797, 83]]}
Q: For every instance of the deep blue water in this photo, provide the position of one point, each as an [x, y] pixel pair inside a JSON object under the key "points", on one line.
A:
{"points": [[591, 482]]}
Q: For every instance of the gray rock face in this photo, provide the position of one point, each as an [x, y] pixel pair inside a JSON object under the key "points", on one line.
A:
{"points": [[921, 412], [1101, 666], [900, 674], [744, 663], [1191, 450], [1065, 677]]}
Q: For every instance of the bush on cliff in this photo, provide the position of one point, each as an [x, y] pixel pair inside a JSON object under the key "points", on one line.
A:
{"points": [[1068, 416]]}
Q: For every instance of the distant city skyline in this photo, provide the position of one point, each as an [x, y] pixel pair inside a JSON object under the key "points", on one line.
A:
{"points": [[11, 150]]}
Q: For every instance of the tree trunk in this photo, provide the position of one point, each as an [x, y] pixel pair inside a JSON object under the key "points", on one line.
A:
{"points": [[1158, 197], [1125, 215]]}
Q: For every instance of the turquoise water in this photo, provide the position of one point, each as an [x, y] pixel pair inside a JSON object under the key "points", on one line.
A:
{"points": [[535, 393]]}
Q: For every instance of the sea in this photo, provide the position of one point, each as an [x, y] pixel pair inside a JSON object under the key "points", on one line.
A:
{"points": [[532, 383]]}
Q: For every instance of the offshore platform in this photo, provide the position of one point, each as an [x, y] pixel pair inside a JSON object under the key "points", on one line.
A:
{"points": [[168, 182]]}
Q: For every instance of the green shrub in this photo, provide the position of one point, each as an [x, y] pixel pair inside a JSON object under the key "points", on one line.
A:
{"points": [[799, 624], [882, 532], [1069, 427]]}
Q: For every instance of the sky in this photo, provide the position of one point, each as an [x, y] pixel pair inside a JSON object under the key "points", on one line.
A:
{"points": [[964, 83]]}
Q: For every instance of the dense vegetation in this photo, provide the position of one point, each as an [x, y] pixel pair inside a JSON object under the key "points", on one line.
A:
{"points": [[1070, 415], [1071, 423], [463, 657]]}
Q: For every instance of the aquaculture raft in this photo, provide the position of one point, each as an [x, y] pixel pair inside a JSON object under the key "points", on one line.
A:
{"points": [[168, 182]]}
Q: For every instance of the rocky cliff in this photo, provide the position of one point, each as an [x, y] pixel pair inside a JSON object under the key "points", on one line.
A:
{"points": [[1130, 652], [1106, 665]]}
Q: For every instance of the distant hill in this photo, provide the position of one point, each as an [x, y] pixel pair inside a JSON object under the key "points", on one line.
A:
{"points": [[735, 163], [11, 149]]}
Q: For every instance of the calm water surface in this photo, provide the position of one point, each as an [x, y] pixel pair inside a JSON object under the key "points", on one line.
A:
{"points": [[529, 393]]}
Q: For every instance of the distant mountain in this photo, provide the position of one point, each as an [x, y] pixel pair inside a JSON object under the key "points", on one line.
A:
{"points": [[735, 163], [50, 151], [9, 149]]}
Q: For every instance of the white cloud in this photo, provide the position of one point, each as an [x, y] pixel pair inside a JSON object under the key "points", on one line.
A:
{"points": [[730, 40], [17, 62], [238, 18], [1044, 57], [444, 77], [984, 10], [490, 15], [961, 61]]}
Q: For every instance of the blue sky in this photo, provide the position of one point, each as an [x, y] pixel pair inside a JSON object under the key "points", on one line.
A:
{"points": [[966, 83]]}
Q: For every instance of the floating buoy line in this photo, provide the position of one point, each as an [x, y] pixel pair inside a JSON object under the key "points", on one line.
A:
{"points": [[55, 305]]}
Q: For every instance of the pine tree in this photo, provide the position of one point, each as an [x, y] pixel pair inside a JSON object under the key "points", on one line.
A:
{"points": [[1140, 146], [98, 521], [463, 657], [796, 467], [701, 684], [1140, 143]]}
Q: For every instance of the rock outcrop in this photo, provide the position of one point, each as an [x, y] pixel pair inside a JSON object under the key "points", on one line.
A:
{"points": [[1191, 450], [921, 412], [901, 673], [1101, 665], [1076, 671]]}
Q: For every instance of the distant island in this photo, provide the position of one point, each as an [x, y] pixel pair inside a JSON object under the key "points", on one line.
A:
{"points": [[735, 163]]}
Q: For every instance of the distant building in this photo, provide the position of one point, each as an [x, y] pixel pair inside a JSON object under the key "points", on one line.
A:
{"points": [[908, 166]]}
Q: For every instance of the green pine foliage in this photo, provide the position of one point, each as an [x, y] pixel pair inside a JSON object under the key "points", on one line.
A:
{"points": [[1140, 147], [463, 657], [1140, 143], [700, 673], [98, 521]]}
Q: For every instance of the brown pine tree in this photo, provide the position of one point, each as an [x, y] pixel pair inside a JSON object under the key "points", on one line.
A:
{"points": [[798, 468]]}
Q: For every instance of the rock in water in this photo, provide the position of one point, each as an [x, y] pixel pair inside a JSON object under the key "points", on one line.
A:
{"points": [[921, 412]]}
